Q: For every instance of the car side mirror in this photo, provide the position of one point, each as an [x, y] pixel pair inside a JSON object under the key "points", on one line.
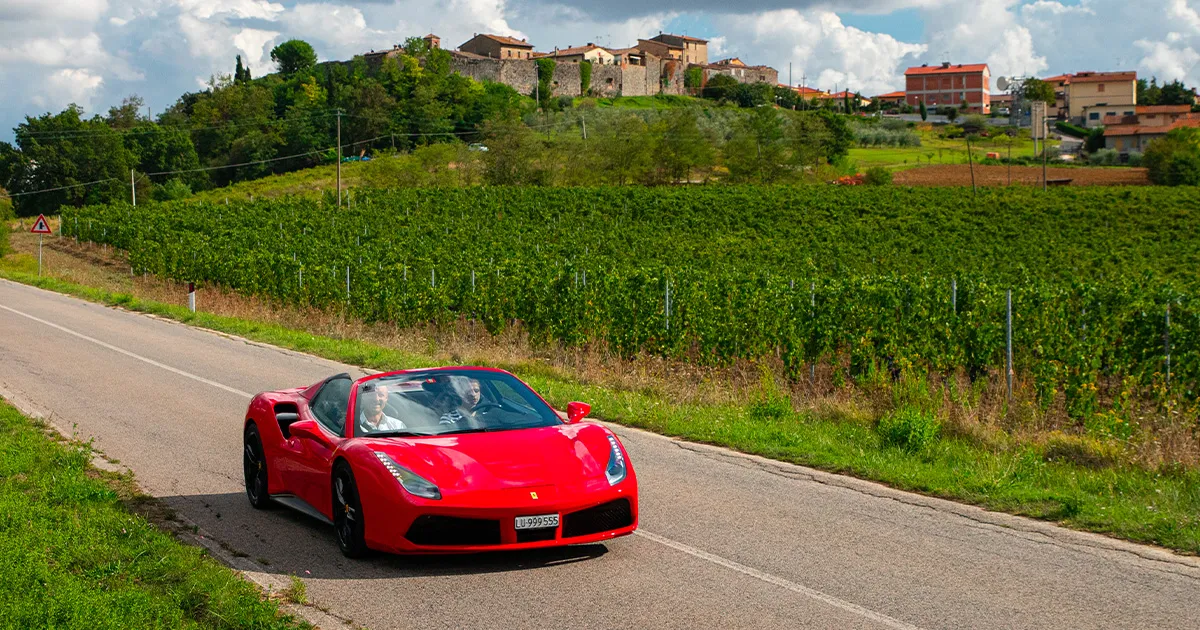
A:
{"points": [[308, 429], [577, 411]]}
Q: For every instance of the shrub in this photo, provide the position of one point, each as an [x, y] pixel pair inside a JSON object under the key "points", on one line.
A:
{"points": [[1135, 158], [1105, 157], [878, 176], [1174, 159], [5, 215], [909, 428], [1095, 140], [1071, 130]]}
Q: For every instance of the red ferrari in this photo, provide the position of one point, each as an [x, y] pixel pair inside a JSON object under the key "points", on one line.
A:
{"points": [[436, 461]]}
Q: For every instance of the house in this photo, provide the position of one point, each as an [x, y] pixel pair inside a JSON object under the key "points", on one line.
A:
{"points": [[1087, 90], [432, 41], [590, 52], [1004, 101], [1137, 137], [1059, 83], [735, 68], [1161, 115], [891, 98], [839, 98], [809, 93], [628, 56], [497, 47], [689, 50], [1100, 115], [949, 84]]}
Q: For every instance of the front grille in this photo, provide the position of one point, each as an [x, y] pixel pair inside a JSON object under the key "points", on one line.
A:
{"points": [[601, 518], [536, 535], [436, 530]]}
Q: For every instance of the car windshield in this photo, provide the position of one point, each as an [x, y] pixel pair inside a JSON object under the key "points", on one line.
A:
{"points": [[448, 401]]}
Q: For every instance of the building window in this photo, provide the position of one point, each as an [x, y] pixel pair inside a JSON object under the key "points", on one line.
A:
{"points": [[1100, 87], [1094, 116]]}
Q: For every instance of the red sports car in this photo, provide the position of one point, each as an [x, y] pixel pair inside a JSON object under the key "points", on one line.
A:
{"points": [[438, 460]]}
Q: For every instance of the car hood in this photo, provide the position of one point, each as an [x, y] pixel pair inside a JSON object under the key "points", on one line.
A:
{"points": [[507, 466]]}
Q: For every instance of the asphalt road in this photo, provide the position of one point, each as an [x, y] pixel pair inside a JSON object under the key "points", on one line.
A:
{"points": [[727, 541]]}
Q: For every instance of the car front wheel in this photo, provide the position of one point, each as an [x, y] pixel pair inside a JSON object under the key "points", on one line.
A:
{"points": [[347, 514], [254, 468]]}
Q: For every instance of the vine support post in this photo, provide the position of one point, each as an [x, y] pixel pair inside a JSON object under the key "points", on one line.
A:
{"points": [[954, 295], [667, 304], [347, 283], [812, 314], [1008, 364], [1167, 343]]}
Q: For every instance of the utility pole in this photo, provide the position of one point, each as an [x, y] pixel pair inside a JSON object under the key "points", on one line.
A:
{"points": [[133, 186], [339, 157]]}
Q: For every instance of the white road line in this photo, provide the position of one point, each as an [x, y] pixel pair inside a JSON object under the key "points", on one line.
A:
{"points": [[879, 618], [688, 549], [131, 354]]}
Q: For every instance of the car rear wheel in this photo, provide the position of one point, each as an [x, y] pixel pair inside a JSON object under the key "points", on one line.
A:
{"points": [[254, 468], [347, 514]]}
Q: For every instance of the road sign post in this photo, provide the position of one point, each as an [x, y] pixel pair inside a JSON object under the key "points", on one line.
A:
{"points": [[40, 227]]}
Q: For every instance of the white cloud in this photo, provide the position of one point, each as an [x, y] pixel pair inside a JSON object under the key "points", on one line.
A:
{"points": [[1168, 62], [56, 10], [66, 86], [820, 47]]}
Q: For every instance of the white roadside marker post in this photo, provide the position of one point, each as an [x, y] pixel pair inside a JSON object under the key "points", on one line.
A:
{"points": [[192, 297]]}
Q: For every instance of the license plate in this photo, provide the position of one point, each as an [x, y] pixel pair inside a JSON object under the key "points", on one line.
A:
{"points": [[536, 522]]}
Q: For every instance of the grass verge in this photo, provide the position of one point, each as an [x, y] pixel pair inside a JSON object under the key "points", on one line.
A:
{"points": [[1059, 481], [73, 556]]}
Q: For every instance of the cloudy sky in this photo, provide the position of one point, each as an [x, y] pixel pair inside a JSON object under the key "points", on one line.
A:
{"points": [[94, 52]]}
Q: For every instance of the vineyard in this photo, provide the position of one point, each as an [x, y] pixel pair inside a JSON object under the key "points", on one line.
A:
{"points": [[1103, 282]]}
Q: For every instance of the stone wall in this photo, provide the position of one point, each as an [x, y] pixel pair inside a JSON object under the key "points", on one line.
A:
{"points": [[521, 75]]}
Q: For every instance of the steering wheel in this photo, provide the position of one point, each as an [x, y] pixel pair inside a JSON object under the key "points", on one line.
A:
{"points": [[486, 405]]}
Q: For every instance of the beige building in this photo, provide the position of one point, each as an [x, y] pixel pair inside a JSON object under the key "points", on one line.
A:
{"points": [[1088, 90], [1137, 137], [689, 50], [497, 47], [735, 68], [590, 52], [1100, 115]]}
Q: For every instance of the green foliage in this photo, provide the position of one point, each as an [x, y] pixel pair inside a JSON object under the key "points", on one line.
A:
{"points": [[50, 156], [1073, 258], [1173, 93], [1095, 140], [720, 87], [693, 78], [909, 428], [924, 111], [1174, 159], [1105, 157], [294, 56], [878, 176], [545, 79], [585, 77], [1039, 90], [1069, 129], [74, 557]]}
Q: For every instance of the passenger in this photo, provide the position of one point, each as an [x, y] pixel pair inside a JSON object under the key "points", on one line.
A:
{"points": [[372, 419], [450, 405]]}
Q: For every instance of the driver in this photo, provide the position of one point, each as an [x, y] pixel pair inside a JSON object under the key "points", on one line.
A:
{"points": [[372, 417]]}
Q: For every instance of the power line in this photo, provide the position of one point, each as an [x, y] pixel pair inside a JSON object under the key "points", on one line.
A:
{"points": [[34, 192]]}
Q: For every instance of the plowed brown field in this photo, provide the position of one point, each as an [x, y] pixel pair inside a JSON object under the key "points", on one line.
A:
{"points": [[960, 175]]}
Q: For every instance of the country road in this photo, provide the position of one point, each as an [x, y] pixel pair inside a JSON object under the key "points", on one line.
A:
{"points": [[726, 541]]}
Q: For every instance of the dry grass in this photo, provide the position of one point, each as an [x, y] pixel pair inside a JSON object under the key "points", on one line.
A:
{"points": [[978, 410]]}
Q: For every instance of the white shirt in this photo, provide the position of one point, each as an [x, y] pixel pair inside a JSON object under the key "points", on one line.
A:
{"points": [[386, 423]]}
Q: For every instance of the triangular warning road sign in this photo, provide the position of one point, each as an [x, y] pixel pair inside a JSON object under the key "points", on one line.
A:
{"points": [[41, 226]]}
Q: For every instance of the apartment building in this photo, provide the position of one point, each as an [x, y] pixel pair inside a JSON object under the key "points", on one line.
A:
{"points": [[949, 84]]}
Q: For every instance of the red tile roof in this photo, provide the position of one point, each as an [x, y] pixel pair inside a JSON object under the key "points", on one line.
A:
{"points": [[1137, 130], [568, 52], [1100, 77], [1164, 109], [953, 69], [507, 41], [900, 94]]}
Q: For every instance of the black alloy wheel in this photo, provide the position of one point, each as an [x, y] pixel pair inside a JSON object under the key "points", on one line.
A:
{"points": [[254, 468], [347, 514]]}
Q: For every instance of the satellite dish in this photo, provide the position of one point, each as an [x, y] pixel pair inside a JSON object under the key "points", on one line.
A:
{"points": [[1002, 83]]}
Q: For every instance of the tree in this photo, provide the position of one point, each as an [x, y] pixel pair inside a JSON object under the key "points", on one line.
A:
{"points": [[683, 146], [720, 86], [757, 152], [624, 150], [1095, 140], [1174, 159], [924, 111], [514, 154], [693, 79], [85, 160], [1175, 93], [1039, 90], [839, 137], [545, 79], [241, 74], [1148, 93], [294, 56], [809, 140], [585, 77]]}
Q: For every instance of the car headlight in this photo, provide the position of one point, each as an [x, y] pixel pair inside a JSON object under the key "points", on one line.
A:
{"points": [[409, 480], [616, 470]]}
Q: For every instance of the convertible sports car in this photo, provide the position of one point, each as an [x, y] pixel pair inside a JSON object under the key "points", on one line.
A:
{"points": [[438, 460]]}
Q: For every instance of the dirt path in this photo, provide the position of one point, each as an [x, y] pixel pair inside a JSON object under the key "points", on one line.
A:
{"points": [[960, 175]]}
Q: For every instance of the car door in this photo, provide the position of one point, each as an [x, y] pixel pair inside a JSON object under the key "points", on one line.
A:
{"points": [[313, 458]]}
